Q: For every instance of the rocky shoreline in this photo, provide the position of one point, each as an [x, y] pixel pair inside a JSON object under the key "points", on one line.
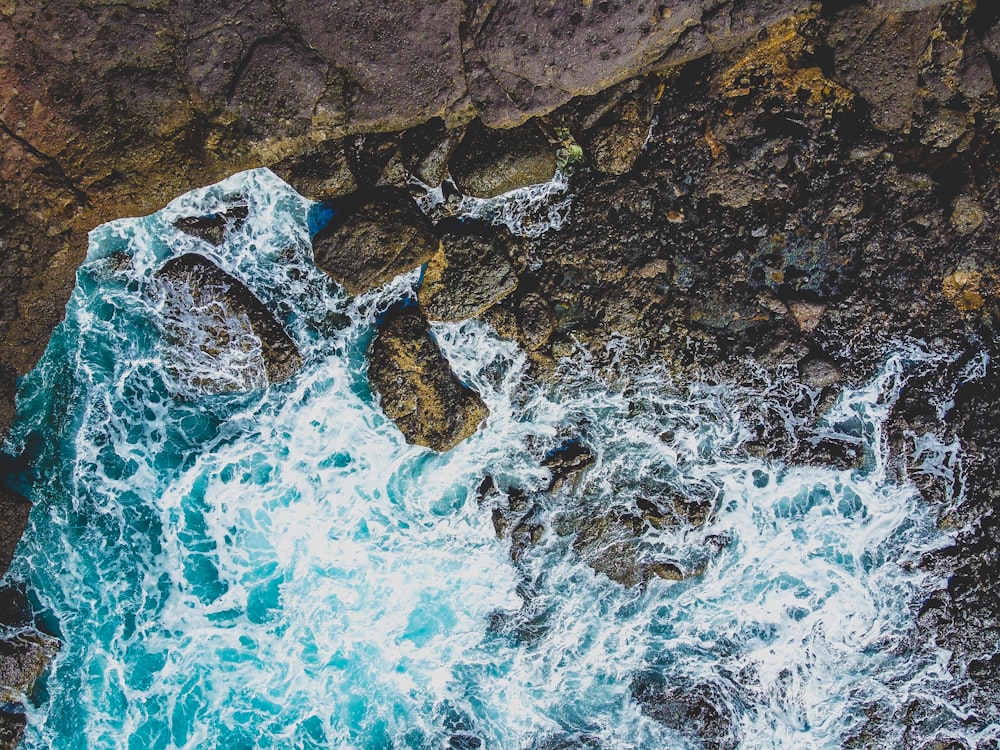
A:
{"points": [[792, 190]]}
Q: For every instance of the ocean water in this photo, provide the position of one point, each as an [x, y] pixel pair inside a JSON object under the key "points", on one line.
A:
{"points": [[277, 568]]}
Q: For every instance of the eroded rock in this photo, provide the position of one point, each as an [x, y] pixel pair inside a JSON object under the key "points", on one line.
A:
{"points": [[416, 386], [488, 162], [696, 710], [373, 240], [222, 339], [23, 660], [427, 149], [14, 511], [320, 172], [471, 272]]}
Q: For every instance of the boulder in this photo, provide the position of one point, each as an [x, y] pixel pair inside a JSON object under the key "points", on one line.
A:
{"points": [[489, 162], [427, 148], [877, 55], [14, 511], [615, 125], [212, 227], [416, 386], [320, 172], [222, 338], [23, 659], [470, 273], [697, 710], [374, 240]]}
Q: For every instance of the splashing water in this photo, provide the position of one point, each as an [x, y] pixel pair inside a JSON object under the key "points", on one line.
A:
{"points": [[279, 569]]}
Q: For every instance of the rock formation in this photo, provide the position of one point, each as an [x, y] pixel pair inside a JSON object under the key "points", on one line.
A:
{"points": [[416, 386]]}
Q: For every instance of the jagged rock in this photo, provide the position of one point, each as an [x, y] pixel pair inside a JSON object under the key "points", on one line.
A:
{"points": [[416, 386], [470, 273], [804, 267], [12, 724], [615, 140], [696, 710], [374, 157], [212, 228], [427, 149], [222, 338], [568, 461], [23, 659], [320, 172], [488, 162], [371, 242], [14, 511]]}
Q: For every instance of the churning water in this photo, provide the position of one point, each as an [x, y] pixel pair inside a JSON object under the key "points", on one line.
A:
{"points": [[278, 569]]}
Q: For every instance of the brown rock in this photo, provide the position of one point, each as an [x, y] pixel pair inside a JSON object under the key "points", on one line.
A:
{"points": [[320, 172], [23, 659], [223, 339], [14, 511], [379, 238], [469, 274], [491, 162], [962, 289], [427, 149], [416, 387], [877, 55]]}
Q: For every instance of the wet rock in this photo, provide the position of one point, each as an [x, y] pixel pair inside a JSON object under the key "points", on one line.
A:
{"points": [[415, 385], [672, 510], [963, 290], [12, 724], [567, 462], [966, 214], [212, 227], [610, 545], [471, 272], [803, 267], [611, 127], [374, 239], [427, 149], [819, 372], [14, 511], [374, 159], [223, 339], [23, 660], [698, 710], [320, 172], [488, 162]]}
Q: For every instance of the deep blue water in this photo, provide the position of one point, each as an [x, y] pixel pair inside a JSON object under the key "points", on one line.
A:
{"points": [[277, 568]]}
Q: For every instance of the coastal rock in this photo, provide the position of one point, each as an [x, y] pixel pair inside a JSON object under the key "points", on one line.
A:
{"points": [[320, 172], [415, 385], [878, 55], [14, 511], [212, 228], [696, 710], [23, 659], [568, 462], [222, 339], [427, 149], [615, 139], [373, 240], [471, 272], [488, 162]]}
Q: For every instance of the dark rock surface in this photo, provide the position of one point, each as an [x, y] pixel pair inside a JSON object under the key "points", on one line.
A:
{"points": [[212, 317], [490, 162], [372, 241], [473, 270], [14, 511], [416, 386]]}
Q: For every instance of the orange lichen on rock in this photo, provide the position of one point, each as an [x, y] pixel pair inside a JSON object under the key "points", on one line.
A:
{"points": [[963, 290]]}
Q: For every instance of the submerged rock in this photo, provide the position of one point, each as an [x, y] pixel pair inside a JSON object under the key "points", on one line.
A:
{"points": [[14, 510], [489, 162], [378, 239], [416, 386], [223, 339], [212, 228], [698, 711], [471, 272]]}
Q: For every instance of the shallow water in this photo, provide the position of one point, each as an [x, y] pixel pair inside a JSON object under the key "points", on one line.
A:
{"points": [[278, 568]]}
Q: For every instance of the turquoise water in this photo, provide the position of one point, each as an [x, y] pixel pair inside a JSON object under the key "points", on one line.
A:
{"points": [[279, 569]]}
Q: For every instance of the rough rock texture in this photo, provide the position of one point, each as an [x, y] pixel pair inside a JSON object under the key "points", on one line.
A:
{"points": [[24, 658], [472, 271], [223, 338], [490, 162], [112, 110], [14, 510], [372, 241], [415, 385]]}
